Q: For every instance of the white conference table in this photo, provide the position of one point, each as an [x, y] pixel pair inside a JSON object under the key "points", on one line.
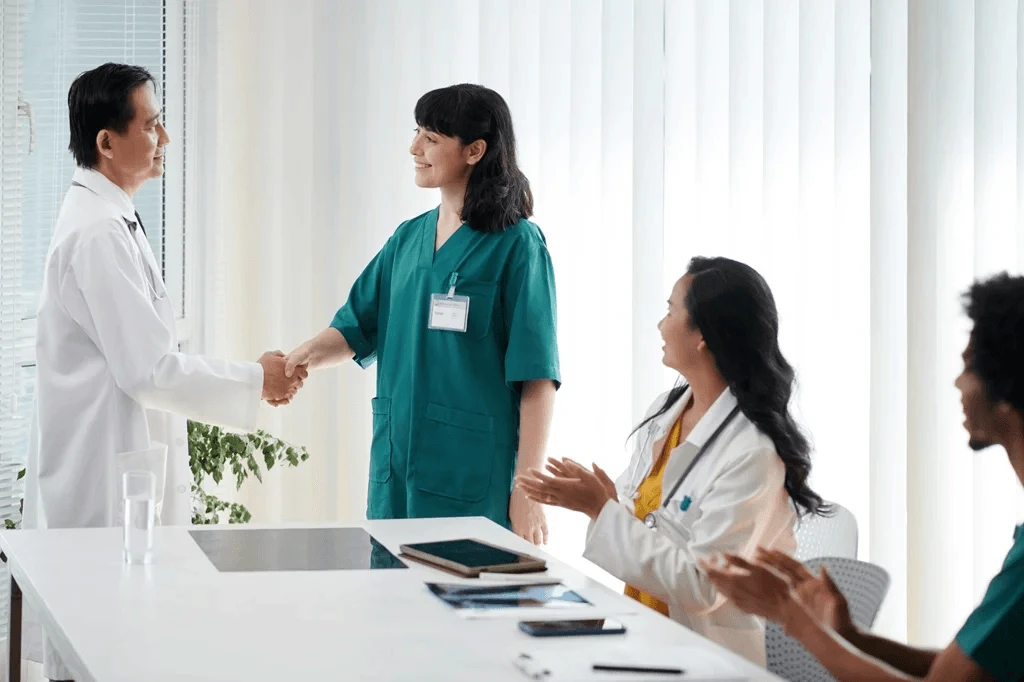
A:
{"points": [[180, 618]]}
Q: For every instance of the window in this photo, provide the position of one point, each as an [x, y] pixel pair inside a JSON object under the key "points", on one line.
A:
{"points": [[88, 33], [44, 45]]}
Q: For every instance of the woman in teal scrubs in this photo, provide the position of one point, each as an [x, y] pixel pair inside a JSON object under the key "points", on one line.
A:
{"points": [[458, 311]]}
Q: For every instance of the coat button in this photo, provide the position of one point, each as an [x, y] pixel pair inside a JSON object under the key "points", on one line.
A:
{"points": [[181, 488]]}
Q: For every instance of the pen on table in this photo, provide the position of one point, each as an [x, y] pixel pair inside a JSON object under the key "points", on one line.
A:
{"points": [[601, 667]]}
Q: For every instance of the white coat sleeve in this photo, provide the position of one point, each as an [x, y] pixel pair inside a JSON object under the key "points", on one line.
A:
{"points": [[622, 484], [110, 298], [733, 518]]}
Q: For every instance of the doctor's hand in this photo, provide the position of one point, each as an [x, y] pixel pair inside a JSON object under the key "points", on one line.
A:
{"points": [[571, 486], [566, 467], [818, 593], [527, 517], [278, 388]]}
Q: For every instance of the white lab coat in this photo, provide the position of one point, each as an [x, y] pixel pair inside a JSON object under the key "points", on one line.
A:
{"points": [[738, 502], [109, 377]]}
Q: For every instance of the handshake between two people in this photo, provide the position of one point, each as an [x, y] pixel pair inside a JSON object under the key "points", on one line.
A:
{"points": [[282, 377]]}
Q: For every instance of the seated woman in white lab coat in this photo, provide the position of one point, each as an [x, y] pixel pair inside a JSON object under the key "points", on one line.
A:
{"points": [[717, 462]]}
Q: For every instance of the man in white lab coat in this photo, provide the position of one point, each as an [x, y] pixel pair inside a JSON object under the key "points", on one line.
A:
{"points": [[110, 378]]}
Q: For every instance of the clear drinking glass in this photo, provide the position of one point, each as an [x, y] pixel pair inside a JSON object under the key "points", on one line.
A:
{"points": [[138, 492], [153, 458]]}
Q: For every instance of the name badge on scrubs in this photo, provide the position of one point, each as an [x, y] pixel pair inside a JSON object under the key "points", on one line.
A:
{"points": [[449, 312]]}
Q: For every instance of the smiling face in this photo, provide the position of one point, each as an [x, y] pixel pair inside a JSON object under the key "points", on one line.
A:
{"points": [[443, 161], [684, 344], [137, 154], [982, 417]]}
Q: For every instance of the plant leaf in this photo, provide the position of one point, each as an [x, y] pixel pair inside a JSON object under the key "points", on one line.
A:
{"points": [[214, 452]]}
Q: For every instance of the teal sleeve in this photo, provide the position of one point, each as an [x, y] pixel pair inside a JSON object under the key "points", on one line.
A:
{"points": [[531, 318], [994, 633], [358, 320]]}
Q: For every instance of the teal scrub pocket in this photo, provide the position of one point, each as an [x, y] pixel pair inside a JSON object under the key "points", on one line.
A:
{"points": [[455, 453], [481, 306], [380, 449]]}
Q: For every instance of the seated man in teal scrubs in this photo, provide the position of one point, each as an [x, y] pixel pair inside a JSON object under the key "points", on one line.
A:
{"points": [[990, 645]]}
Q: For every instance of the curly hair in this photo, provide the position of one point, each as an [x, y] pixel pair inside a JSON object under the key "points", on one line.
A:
{"points": [[996, 355]]}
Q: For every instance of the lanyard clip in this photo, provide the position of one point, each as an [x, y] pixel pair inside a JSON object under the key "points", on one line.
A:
{"points": [[451, 284]]}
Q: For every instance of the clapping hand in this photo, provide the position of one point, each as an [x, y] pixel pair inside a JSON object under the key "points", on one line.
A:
{"points": [[570, 485], [278, 387], [752, 587], [818, 593], [773, 584]]}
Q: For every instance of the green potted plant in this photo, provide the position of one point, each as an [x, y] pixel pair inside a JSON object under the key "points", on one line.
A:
{"points": [[213, 451]]}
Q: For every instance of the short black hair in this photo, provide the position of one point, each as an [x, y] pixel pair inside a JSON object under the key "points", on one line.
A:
{"points": [[101, 99], [996, 356]]}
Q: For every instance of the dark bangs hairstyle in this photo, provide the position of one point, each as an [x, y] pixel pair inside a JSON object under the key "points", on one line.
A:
{"points": [[734, 310], [498, 194]]}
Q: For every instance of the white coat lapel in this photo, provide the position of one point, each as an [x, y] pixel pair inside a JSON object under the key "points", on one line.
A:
{"points": [[644, 454], [153, 270]]}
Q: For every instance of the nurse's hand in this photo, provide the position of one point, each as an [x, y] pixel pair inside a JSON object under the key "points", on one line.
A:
{"points": [[327, 348], [298, 358], [818, 593], [752, 587], [527, 517], [278, 388]]}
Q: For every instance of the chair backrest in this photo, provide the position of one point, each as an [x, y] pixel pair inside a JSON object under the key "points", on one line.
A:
{"points": [[864, 585], [832, 536]]}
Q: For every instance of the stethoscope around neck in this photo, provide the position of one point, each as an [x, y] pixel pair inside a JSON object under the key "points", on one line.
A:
{"points": [[651, 519]]}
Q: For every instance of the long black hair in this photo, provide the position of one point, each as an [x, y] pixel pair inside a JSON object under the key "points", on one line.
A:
{"points": [[732, 306], [498, 194]]}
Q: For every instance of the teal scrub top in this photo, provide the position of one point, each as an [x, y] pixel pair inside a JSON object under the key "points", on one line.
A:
{"points": [[446, 415], [994, 633]]}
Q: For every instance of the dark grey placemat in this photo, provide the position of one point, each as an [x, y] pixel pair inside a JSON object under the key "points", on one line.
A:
{"points": [[293, 549]]}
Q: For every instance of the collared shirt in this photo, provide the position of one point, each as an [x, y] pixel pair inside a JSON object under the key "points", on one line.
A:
{"points": [[102, 187]]}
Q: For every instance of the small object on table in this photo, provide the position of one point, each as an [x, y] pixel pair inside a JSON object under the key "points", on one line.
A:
{"points": [[640, 670], [512, 577], [470, 557], [548, 596], [138, 492]]}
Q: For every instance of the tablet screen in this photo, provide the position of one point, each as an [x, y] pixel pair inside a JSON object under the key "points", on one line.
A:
{"points": [[470, 553]]}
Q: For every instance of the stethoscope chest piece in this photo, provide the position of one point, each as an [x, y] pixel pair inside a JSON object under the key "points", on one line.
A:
{"points": [[650, 520]]}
